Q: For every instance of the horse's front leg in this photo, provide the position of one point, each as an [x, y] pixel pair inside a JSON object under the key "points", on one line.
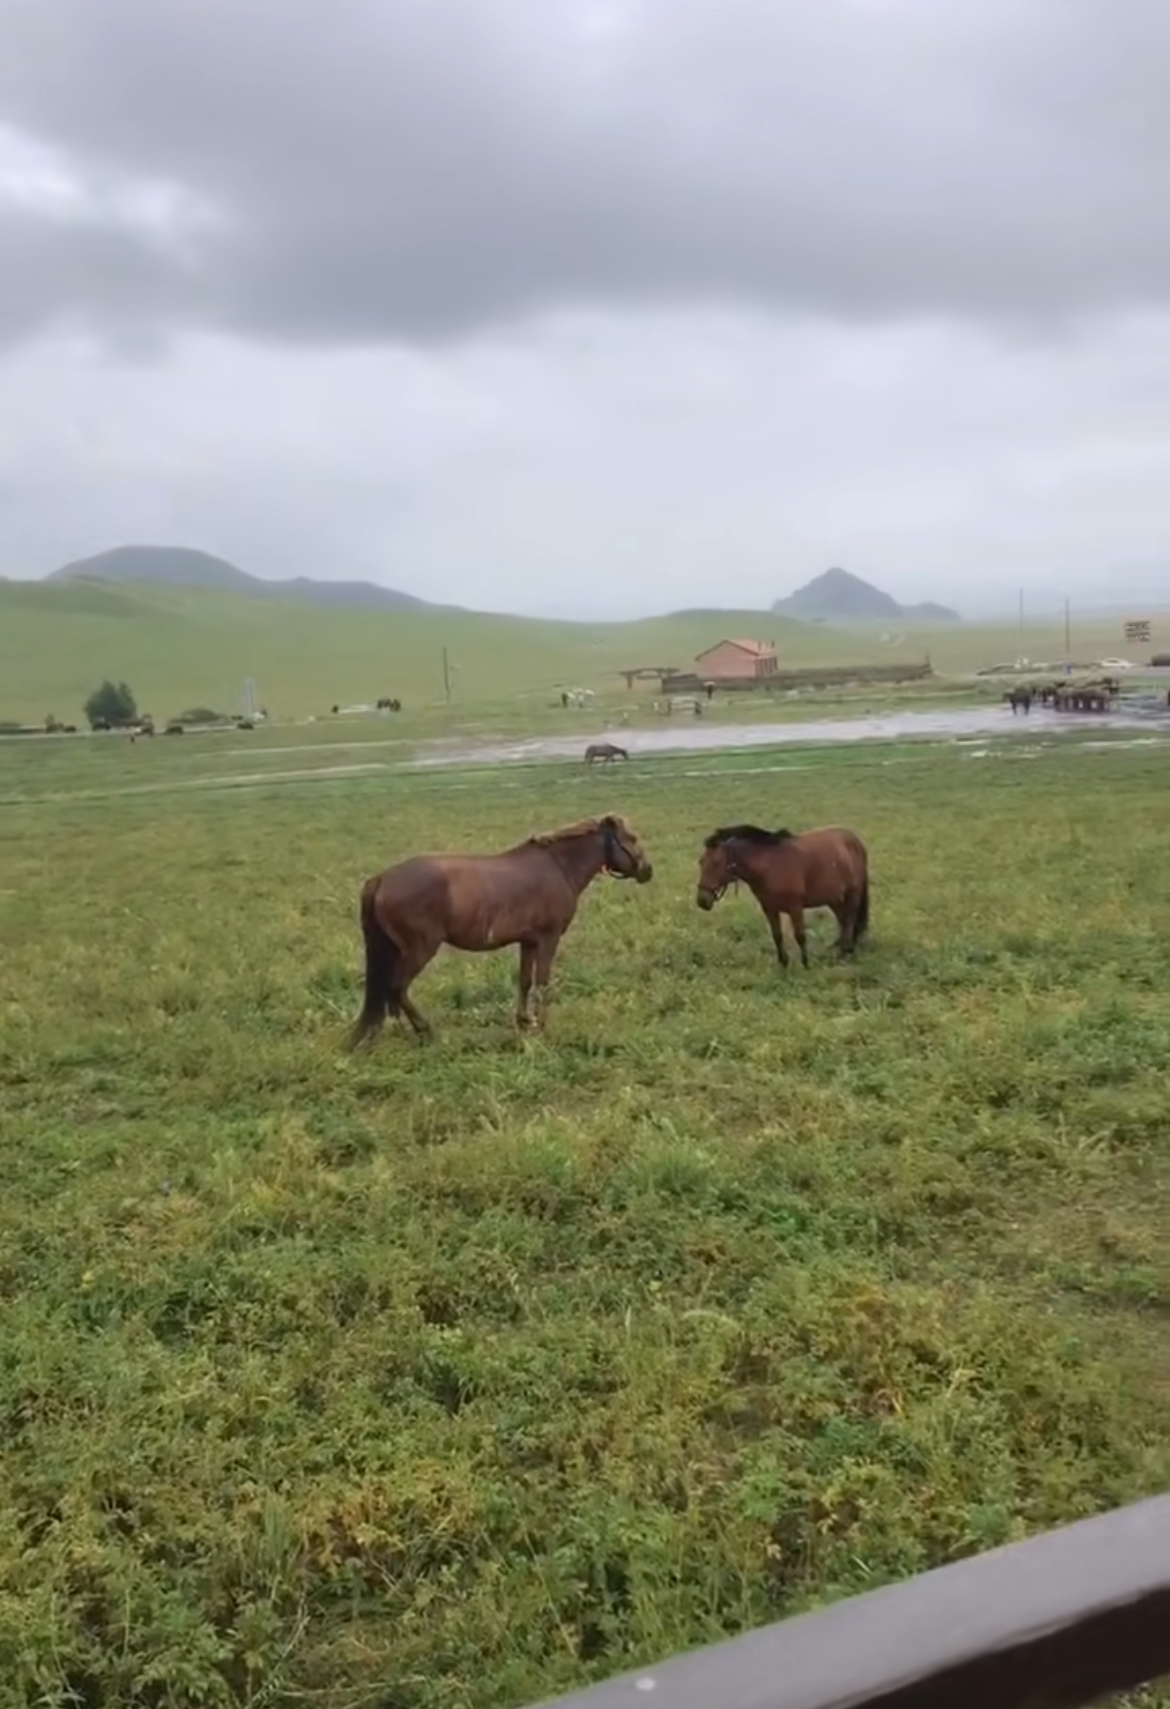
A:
{"points": [[546, 950], [776, 925], [796, 915], [524, 983]]}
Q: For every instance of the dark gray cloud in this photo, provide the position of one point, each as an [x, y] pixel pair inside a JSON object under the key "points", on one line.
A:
{"points": [[420, 169], [52, 273]]}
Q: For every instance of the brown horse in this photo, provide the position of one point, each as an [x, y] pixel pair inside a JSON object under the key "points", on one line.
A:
{"points": [[786, 874], [606, 752], [527, 895]]}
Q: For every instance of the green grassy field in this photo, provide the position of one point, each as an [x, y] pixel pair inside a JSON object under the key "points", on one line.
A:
{"points": [[460, 1375], [179, 648]]}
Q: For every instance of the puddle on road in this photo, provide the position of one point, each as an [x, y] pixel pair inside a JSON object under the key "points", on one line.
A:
{"points": [[697, 737]]}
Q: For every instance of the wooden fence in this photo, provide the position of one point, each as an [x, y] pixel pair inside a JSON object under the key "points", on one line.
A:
{"points": [[1063, 1619], [806, 676]]}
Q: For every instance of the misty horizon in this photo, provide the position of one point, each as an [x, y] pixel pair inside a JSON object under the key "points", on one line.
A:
{"points": [[1037, 610]]}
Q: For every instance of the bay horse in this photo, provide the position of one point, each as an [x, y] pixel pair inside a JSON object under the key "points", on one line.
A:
{"points": [[607, 752], [788, 873], [526, 895]]}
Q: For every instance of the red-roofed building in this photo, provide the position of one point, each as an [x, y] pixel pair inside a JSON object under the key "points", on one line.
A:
{"points": [[737, 661]]}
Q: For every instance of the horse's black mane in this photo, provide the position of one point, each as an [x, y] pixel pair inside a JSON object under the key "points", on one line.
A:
{"points": [[745, 834]]}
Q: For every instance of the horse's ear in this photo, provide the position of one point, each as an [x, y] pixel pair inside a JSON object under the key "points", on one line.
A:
{"points": [[609, 823]]}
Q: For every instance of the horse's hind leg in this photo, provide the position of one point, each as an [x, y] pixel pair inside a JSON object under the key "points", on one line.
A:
{"points": [[848, 918], [418, 1021], [410, 966], [544, 954], [524, 983]]}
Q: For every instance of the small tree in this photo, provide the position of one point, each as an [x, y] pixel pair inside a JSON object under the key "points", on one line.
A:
{"points": [[112, 703]]}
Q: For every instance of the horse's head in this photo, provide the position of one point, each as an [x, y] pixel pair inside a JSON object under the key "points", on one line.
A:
{"points": [[624, 855], [717, 869], [729, 854]]}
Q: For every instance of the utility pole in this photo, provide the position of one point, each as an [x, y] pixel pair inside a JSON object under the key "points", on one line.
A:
{"points": [[1021, 620], [1067, 641], [446, 678]]}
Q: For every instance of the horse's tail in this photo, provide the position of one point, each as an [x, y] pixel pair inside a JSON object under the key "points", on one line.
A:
{"points": [[381, 958]]}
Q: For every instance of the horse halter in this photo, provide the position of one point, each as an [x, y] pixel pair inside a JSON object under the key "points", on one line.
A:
{"points": [[608, 852], [732, 878]]}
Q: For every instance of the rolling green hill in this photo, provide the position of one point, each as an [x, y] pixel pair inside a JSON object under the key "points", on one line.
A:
{"points": [[180, 646]]}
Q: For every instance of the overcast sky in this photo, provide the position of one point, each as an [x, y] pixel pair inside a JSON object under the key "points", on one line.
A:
{"points": [[592, 307]]}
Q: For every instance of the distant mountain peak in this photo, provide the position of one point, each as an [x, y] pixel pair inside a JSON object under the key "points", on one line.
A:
{"points": [[838, 596], [185, 566], [181, 566]]}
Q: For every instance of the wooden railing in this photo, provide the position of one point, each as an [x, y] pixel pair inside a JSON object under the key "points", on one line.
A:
{"points": [[1061, 1620]]}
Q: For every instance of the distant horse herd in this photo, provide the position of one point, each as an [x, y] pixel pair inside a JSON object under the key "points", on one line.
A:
{"points": [[384, 703], [527, 895], [1096, 696]]}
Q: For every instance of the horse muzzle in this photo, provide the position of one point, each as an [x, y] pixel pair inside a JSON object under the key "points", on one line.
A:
{"points": [[706, 899], [641, 874]]}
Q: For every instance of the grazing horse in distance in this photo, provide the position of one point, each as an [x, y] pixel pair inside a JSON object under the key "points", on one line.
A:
{"points": [[527, 895], [1020, 697], [606, 752], [788, 873]]}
